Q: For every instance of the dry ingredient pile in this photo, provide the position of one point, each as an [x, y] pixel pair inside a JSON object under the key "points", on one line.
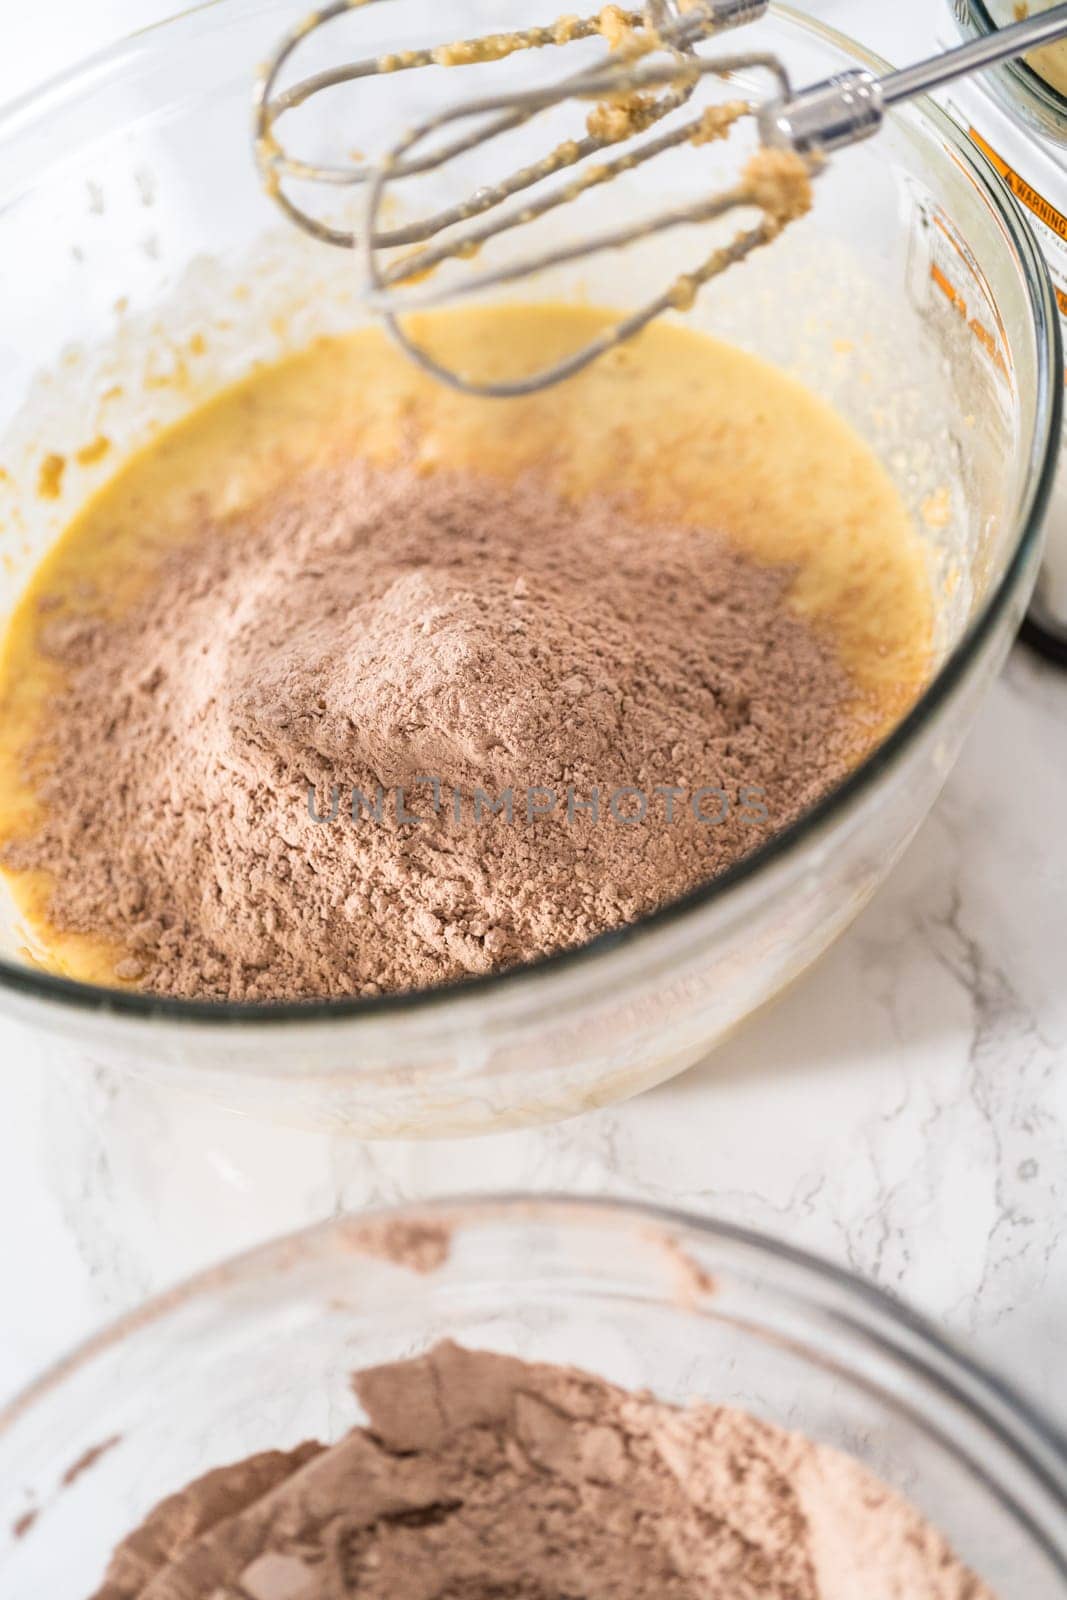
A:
{"points": [[426, 642], [479, 1477], [347, 686]]}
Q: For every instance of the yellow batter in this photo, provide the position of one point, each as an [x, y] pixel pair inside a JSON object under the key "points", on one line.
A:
{"points": [[1050, 61], [691, 428]]}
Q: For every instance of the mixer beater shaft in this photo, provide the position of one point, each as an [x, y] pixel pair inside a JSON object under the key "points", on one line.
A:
{"points": [[651, 74]]}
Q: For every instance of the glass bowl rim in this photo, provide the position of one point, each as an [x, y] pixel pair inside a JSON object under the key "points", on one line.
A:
{"points": [[891, 1327], [76, 997]]}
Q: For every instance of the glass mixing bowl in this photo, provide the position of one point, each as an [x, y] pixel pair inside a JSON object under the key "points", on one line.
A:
{"points": [[257, 1354], [144, 268]]}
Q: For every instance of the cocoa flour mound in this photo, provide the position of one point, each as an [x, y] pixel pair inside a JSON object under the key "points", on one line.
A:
{"points": [[272, 776], [479, 1477]]}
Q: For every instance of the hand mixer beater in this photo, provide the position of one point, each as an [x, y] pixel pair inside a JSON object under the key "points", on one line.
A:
{"points": [[637, 102]]}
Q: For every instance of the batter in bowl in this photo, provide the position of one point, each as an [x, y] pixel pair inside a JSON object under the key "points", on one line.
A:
{"points": [[1050, 61], [348, 686]]}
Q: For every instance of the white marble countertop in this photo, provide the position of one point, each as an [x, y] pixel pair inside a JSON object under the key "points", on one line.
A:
{"points": [[903, 1109]]}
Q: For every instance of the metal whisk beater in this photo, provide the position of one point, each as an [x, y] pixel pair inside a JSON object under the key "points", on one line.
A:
{"points": [[652, 72]]}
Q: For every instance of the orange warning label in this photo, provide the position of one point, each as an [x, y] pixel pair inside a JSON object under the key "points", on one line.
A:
{"points": [[1043, 209], [978, 328], [951, 269]]}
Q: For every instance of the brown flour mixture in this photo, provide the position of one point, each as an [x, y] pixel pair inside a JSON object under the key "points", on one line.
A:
{"points": [[481, 1478], [435, 643], [418, 1244]]}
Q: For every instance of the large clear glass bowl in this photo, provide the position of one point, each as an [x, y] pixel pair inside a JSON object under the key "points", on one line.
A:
{"points": [[257, 1354], [144, 268]]}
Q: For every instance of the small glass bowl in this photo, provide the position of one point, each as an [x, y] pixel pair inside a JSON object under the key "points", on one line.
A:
{"points": [[145, 268], [257, 1354]]}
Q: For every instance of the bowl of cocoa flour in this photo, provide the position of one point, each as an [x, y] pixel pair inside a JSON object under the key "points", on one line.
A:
{"points": [[539, 1397], [374, 760]]}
